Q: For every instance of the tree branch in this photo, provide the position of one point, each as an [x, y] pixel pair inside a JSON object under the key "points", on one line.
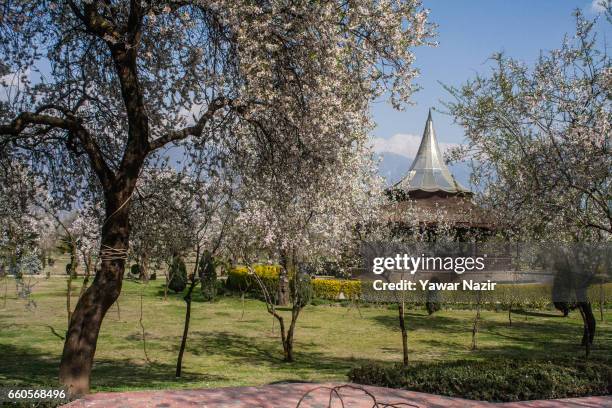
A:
{"points": [[195, 130], [73, 127]]}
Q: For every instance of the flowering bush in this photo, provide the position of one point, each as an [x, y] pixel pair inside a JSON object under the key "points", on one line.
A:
{"points": [[332, 288], [238, 278]]}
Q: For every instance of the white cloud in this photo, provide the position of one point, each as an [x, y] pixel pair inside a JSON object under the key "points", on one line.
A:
{"points": [[403, 144]]}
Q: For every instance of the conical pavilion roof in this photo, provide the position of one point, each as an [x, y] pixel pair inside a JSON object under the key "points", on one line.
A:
{"points": [[428, 172]]}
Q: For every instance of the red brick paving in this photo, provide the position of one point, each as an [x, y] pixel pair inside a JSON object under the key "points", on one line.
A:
{"points": [[288, 395]]}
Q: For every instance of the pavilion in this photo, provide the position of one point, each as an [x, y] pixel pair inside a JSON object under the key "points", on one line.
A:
{"points": [[430, 193]]}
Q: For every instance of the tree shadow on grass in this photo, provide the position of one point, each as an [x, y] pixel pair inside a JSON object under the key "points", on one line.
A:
{"points": [[543, 336], [416, 321], [29, 367], [268, 352], [537, 314]]}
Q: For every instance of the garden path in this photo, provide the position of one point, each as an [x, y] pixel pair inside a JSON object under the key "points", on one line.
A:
{"points": [[288, 395]]}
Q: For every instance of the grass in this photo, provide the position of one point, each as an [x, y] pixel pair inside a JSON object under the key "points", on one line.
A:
{"points": [[227, 350]]}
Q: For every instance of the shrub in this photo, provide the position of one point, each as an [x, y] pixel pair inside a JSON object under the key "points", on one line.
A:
{"points": [[238, 278], [493, 379], [519, 296], [208, 277], [432, 299], [69, 270], [331, 288], [30, 264], [135, 270], [178, 275], [303, 290]]}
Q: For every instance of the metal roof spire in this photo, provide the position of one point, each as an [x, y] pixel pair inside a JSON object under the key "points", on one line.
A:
{"points": [[428, 172]]}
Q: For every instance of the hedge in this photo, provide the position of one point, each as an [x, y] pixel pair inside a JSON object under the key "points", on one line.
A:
{"points": [[238, 278], [531, 296], [493, 380], [331, 288]]}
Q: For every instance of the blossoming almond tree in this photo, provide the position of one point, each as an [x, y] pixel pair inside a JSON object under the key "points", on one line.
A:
{"points": [[161, 226], [540, 142], [85, 229], [22, 225], [104, 86], [311, 209]]}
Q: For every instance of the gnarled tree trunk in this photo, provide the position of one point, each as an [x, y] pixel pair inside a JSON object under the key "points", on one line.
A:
{"points": [[86, 320]]}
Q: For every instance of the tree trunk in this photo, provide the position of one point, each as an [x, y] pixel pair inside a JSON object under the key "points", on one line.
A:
{"points": [[283, 288], [194, 281], [510, 313], [82, 336], [68, 297], [288, 349], [476, 323], [402, 322], [601, 302], [288, 343], [179, 361], [166, 285], [143, 269], [586, 311], [283, 281], [71, 275], [87, 274]]}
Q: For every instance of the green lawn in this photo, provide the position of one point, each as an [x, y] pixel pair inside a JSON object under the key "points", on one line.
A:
{"points": [[225, 349]]}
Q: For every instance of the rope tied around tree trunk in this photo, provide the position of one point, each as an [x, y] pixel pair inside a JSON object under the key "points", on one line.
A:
{"points": [[108, 253]]}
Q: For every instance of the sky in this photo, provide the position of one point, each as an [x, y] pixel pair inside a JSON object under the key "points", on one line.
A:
{"points": [[469, 32]]}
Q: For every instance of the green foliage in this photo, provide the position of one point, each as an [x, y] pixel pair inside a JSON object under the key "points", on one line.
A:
{"points": [[333, 336], [493, 379], [135, 270], [519, 296], [69, 270], [208, 277], [432, 303], [331, 288], [301, 289], [178, 275]]}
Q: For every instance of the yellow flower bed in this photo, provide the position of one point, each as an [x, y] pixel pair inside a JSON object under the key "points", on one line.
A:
{"points": [[238, 277], [331, 288]]}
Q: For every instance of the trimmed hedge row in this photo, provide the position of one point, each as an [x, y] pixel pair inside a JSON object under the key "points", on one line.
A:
{"points": [[332, 288], [239, 279], [533, 296], [494, 380]]}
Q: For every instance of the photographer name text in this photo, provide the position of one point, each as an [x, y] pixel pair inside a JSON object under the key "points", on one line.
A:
{"points": [[425, 284]]}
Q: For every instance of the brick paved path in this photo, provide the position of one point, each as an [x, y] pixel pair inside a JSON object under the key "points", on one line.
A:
{"points": [[288, 395]]}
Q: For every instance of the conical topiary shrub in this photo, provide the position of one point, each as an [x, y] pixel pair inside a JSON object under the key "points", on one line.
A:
{"points": [[208, 277], [135, 270], [177, 275]]}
